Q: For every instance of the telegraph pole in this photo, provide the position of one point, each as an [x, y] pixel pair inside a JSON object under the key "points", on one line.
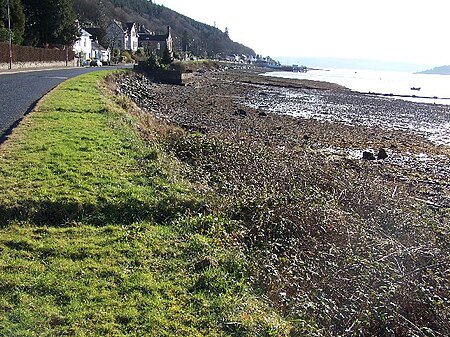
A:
{"points": [[10, 36]]}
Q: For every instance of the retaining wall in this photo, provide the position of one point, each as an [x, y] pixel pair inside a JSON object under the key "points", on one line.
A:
{"points": [[24, 65]]}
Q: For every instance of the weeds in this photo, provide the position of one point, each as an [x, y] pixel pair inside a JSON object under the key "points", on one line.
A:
{"points": [[339, 245]]}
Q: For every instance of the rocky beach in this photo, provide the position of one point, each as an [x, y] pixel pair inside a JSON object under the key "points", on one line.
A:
{"points": [[340, 200]]}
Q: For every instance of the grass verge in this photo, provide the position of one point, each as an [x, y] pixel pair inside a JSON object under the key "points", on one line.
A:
{"points": [[98, 237]]}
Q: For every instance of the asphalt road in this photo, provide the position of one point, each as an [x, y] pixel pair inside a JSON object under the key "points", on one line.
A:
{"points": [[20, 91]]}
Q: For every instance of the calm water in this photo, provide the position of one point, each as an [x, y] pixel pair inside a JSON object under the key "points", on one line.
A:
{"points": [[385, 82]]}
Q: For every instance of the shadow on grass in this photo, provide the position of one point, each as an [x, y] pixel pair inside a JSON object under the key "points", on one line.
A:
{"points": [[64, 213]]}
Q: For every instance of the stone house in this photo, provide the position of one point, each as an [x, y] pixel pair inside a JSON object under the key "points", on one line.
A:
{"points": [[122, 36], [150, 41]]}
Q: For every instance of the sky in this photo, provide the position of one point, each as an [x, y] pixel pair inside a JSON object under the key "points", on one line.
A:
{"points": [[413, 31]]}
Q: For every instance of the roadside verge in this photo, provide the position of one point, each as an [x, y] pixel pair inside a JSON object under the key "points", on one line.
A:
{"points": [[100, 236]]}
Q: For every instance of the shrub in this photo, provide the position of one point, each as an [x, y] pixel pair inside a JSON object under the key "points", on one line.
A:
{"points": [[127, 57], [167, 57], [152, 62]]}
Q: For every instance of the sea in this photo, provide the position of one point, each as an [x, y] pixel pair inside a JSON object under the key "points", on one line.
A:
{"points": [[423, 88], [431, 120]]}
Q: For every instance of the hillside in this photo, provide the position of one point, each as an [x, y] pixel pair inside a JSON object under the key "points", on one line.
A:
{"points": [[442, 70], [199, 38]]}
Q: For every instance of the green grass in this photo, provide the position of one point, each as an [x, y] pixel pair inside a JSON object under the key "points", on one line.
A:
{"points": [[98, 238]]}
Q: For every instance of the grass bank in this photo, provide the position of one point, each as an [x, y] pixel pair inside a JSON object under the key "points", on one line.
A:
{"points": [[99, 236]]}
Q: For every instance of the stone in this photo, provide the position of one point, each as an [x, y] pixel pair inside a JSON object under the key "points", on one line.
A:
{"points": [[382, 154], [241, 112], [368, 155]]}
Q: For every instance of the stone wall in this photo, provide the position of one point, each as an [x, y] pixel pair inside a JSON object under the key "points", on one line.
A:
{"points": [[161, 75], [25, 65]]}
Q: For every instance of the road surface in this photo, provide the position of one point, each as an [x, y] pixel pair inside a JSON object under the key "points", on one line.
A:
{"points": [[20, 91]]}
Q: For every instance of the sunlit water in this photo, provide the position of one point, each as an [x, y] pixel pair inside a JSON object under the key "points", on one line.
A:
{"points": [[429, 120], [437, 87]]}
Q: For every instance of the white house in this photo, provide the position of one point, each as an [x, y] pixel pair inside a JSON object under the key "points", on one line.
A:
{"points": [[83, 46], [100, 53], [122, 36]]}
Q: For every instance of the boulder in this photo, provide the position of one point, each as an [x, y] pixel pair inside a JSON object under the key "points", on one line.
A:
{"points": [[368, 155], [382, 154], [241, 112]]}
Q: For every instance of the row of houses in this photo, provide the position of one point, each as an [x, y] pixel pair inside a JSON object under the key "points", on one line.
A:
{"points": [[121, 36]]}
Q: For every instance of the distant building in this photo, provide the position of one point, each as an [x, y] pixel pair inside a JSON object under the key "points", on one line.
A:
{"points": [[150, 41], [122, 36], [87, 48], [83, 45], [100, 53]]}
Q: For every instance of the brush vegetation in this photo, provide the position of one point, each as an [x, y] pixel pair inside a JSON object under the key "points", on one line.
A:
{"points": [[100, 235], [341, 246]]}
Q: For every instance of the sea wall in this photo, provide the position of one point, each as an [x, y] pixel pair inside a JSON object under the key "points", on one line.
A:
{"points": [[163, 76]]}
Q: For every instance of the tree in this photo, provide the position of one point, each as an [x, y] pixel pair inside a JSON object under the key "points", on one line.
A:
{"points": [[17, 21], [67, 32], [152, 62], [167, 57], [49, 22]]}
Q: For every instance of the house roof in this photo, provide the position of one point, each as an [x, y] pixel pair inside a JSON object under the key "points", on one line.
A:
{"points": [[143, 30], [152, 37], [97, 46], [94, 31], [146, 35], [127, 26], [119, 25], [84, 32]]}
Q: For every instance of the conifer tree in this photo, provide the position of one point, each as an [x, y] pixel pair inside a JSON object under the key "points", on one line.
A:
{"points": [[17, 21], [49, 22], [167, 57]]}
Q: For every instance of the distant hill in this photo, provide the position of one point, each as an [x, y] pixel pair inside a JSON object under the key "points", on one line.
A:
{"points": [[442, 70], [199, 38]]}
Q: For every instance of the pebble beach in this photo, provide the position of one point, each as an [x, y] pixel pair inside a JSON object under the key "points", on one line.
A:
{"points": [[338, 195], [318, 116]]}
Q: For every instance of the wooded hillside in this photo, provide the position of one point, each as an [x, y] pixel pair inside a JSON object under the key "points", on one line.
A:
{"points": [[45, 22], [199, 38]]}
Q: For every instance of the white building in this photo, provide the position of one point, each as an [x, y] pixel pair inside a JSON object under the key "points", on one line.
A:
{"points": [[100, 53], [83, 46]]}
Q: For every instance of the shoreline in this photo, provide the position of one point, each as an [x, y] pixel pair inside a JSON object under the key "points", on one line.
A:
{"points": [[425, 119], [326, 230], [239, 103]]}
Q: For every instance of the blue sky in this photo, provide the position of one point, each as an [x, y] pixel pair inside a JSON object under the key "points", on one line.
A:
{"points": [[388, 30]]}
